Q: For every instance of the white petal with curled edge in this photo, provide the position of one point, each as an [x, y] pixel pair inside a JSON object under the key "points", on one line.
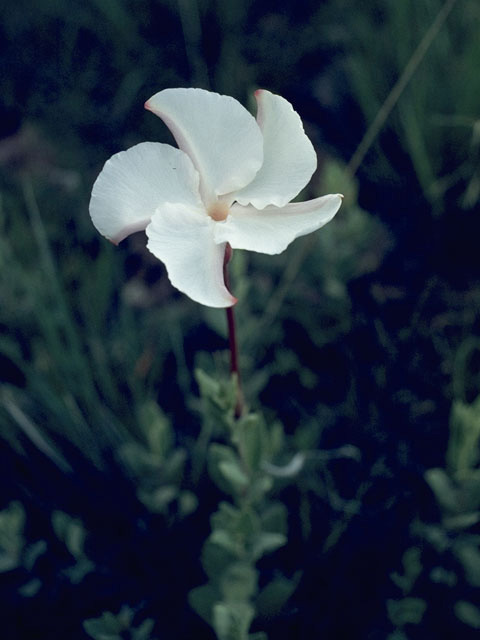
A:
{"points": [[272, 229], [182, 238], [220, 136], [133, 183], [289, 157]]}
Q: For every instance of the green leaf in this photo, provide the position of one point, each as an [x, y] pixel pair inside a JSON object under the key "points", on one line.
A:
{"points": [[157, 429], [468, 553], [443, 488], [266, 542], [70, 531], [215, 557], [242, 525], [397, 635], [260, 486], [274, 518], [32, 553], [113, 623], [94, 628], [158, 500], [8, 561], [220, 398], [174, 465], [251, 437], [226, 517], [248, 524], [406, 611], [273, 597], [187, 503], [109, 626], [78, 571], [462, 521], [468, 613], [463, 447], [441, 575], [139, 460], [202, 599], [238, 582], [30, 588], [144, 630], [412, 569], [209, 387], [434, 534], [233, 473], [227, 540], [232, 620], [276, 437], [12, 522], [218, 454], [471, 490]]}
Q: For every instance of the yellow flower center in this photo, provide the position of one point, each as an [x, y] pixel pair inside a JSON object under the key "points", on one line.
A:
{"points": [[218, 211]]}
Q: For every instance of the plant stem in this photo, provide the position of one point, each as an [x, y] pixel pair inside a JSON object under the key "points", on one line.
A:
{"points": [[232, 338], [232, 341]]}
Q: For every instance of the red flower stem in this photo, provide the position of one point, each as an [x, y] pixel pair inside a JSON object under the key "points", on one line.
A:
{"points": [[232, 338], [232, 341]]}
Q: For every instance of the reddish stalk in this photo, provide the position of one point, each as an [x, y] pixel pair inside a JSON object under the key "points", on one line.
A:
{"points": [[232, 337]]}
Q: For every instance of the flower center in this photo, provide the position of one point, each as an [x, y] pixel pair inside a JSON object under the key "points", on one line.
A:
{"points": [[218, 211]]}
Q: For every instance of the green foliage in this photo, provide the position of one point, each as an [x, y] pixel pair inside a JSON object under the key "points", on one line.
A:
{"points": [[341, 259], [274, 596], [412, 569], [73, 534], [457, 488], [244, 531], [406, 611], [156, 465], [231, 620], [468, 613], [63, 382], [12, 521], [467, 549], [463, 453], [70, 531], [219, 398], [15, 553], [438, 129], [457, 491], [118, 627]]}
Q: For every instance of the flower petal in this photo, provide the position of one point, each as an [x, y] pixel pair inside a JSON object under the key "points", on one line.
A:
{"points": [[182, 238], [272, 229], [219, 135], [133, 183], [289, 157]]}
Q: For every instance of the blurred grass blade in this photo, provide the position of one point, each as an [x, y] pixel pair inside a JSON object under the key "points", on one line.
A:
{"points": [[398, 88], [32, 431]]}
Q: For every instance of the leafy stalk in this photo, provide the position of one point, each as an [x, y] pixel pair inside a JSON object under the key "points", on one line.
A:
{"points": [[247, 526]]}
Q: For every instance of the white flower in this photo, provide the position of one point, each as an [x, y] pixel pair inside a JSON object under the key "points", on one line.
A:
{"points": [[230, 181]]}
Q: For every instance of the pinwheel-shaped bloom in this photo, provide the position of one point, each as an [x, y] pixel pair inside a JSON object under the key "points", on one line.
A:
{"points": [[230, 181]]}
